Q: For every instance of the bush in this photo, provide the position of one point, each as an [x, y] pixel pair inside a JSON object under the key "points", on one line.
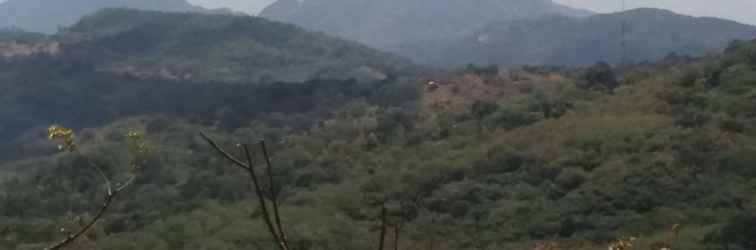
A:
{"points": [[571, 178], [482, 70], [600, 77], [740, 232]]}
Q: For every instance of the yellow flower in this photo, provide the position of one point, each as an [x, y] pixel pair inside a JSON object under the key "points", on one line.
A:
{"points": [[622, 243], [138, 148], [64, 136]]}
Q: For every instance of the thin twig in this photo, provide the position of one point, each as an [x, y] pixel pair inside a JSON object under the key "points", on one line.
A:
{"points": [[223, 152], [275, 229], [108, 184], [125, 184]]}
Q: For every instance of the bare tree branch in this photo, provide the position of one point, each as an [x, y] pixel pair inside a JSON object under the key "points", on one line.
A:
{"points": [[261, 199], [276, 230], [274, 195]]}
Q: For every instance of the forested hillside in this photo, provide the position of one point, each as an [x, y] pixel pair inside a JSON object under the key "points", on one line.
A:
{"points": [[573, 158], [650, 34], [225, 48]]}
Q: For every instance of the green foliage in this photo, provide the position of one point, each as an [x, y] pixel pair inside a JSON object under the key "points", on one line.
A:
{"points": [[600, 76], [490, 70], [226, 48], [553, 163], [739, 232]]}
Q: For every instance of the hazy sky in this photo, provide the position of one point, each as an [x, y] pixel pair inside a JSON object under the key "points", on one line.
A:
{"points": [[740, 10]]}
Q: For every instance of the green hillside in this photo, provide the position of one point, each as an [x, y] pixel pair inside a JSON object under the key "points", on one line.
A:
{"points": [[204, 47], [484, 160], [120, 63]]}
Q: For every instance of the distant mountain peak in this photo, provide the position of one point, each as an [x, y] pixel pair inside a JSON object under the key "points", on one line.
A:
{"points": [[47, 16], [649, 11]]}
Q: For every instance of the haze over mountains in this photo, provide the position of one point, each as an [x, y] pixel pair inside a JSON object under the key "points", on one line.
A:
{"points": [[557, 40], [451, 32], [509, 32], [393, 24]]}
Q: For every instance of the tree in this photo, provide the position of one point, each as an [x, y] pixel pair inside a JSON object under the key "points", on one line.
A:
{"points": [[490, 70], [600, 76], [739, 231], [481, 109]]}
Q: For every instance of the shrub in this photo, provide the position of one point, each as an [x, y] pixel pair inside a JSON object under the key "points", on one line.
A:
{"points": [[600, 77], [740, 232]]}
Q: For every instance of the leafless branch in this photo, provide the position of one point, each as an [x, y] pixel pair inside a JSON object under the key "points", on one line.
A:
{"points": [[276, 230], [261, 199], [223, 152], [274, 194]]}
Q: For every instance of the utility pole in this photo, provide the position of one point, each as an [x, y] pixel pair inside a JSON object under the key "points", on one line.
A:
{"points": [[623, 38]]}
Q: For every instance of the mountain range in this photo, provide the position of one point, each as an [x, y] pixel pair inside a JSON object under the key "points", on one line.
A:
{"points": [[649, 35], [125, 61], [451, 33], [392, 24], [226, 48]]}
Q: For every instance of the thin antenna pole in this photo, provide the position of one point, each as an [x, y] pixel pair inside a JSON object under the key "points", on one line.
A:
{"points": [[623, 30]]}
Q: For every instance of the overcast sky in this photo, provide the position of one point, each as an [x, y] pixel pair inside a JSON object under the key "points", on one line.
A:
{"points": [[739, 10]]}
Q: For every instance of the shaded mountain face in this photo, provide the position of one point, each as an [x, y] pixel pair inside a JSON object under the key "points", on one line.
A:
{"points": [[226, 48], [207, 47], [650, 35], [120, 62], [393, 24], [48, 15]]}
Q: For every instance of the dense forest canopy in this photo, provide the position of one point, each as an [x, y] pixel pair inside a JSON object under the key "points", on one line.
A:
{"points": [[656, 155], [203, 47]]}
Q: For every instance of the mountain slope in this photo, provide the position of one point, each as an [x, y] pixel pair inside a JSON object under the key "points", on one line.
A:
{"points": [[128, 62], [46, 16], [540, 159], [651, 34], [390, 24], [218, 48]]}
